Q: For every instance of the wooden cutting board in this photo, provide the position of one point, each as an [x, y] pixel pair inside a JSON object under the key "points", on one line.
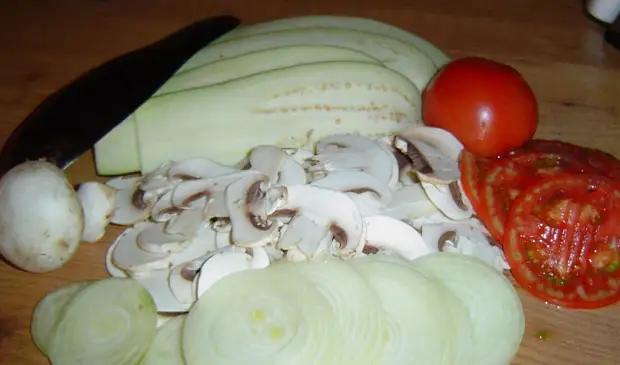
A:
{"points": [[46, 43]]}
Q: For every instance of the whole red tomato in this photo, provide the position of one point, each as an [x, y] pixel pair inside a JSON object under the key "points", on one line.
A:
{"points": [[486, 105]]}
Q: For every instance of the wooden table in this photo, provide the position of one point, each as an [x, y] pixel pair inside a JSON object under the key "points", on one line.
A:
{"points": [[46, 43]]}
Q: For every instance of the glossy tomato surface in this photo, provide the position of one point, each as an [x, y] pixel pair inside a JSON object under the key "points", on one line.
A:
{"points": [[509, 176], [562, 240], [487, 105], [473, 170]]}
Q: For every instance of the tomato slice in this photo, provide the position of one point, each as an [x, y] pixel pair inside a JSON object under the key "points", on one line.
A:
{"points": [[509, 176], [602, 162], [473, 170], [560, 243]]}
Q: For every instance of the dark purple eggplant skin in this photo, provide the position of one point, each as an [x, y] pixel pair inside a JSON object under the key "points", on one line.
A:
{"points": [[70, 121]]}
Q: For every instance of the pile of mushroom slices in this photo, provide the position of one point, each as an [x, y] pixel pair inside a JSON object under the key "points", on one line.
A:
{"points": [[195, 221]]}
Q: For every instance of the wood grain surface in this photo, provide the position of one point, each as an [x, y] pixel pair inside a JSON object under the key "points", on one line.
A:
{"points": [[46, 43]]}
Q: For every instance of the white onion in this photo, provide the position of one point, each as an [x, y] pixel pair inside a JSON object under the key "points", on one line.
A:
{"points": [[494, 306]]}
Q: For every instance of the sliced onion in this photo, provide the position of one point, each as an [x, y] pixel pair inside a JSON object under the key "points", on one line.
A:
{"points": [[419, 311], [261, 317], [45, 315], [357, 307], [494, 306], [110, 321], [166, 347]]}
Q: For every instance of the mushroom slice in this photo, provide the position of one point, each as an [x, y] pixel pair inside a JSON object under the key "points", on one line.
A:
{"points": [[247, 207], [352, 181], [221, 224], [466, 237], [199, 193], [187, 222], [156, 283], [433, 153], [394, 236], [225, 263], [351, 152], [304, 234], [409, 202], [336, 211], [156, 240], [449, 199], [98, 202], [182, 276], [112, 269], [163, 209], [222, 240], [367, 203], [198, 168], [433, 218], [130, 207], [156, 182], [277, 165], [122, 183], [128, 256], [300, 155]]}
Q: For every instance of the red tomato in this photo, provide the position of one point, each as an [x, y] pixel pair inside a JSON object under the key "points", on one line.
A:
{"points": [[509, 176], [473, 170], [554, 242], [486, 105]]}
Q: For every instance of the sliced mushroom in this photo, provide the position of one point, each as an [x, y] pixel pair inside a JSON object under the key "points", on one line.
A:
{"points": [[198, 168], [246, 204], [112, 269], [305, 234], [334, 210], [130, 207], [98, 202], [199, 193], [449, 199], [225, 263], [122, 183], [351, 152], [367, 203], [187, 222], [222, 240], [129, 257], [394, 236], [156, 283], [433, 153], [155, 239], [163, 210], [352, 181], [300, 155], [277, 165], [183, 276], [409, 202], [433, 218], [467, 238], [156, 182]]}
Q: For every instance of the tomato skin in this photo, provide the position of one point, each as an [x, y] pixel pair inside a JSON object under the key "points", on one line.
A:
{"points": [[486, 105], [554, 242]]}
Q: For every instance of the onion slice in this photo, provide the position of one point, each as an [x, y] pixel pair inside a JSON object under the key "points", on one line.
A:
{"points": [[111, 321], [46, 313], [260, 317], [420, 311], [358, 309], [166, 348], [494, 306]]}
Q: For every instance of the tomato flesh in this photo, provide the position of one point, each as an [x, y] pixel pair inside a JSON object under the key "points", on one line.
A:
{"points": [[557, 245], [473, 170], [508, 177]]}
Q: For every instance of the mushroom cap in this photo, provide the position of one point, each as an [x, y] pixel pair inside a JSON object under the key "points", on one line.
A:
{"points": [[41, 218], [98, 202]]}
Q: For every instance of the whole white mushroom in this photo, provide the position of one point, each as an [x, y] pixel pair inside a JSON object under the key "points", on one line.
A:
{"points": [[41, 218]]}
